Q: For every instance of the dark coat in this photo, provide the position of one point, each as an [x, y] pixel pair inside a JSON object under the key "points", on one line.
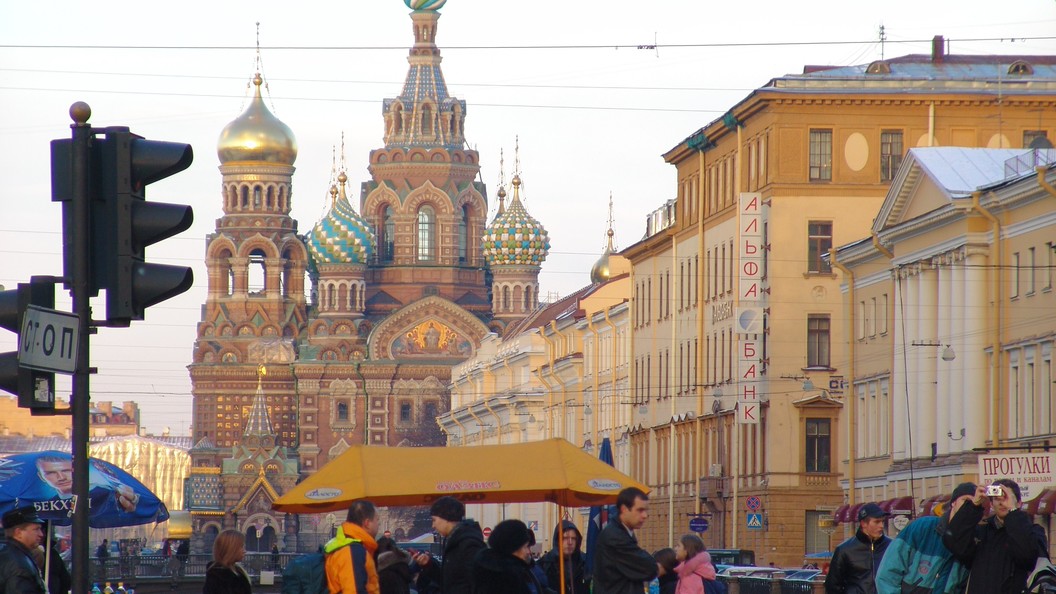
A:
{"points": [[668, 583], [394, 572], [999, 557], [854, 565], [576, 579], [460, 549], [224, 580], [620, 565], [18, 573], [496, 573]]}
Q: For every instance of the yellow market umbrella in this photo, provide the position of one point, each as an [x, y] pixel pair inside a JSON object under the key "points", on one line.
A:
{"points": [[552, 470]]}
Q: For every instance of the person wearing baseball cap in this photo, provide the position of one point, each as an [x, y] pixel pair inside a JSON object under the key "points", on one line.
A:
{"points": [[18, 571], [855, 560], [1002, 550], [917, 561]]}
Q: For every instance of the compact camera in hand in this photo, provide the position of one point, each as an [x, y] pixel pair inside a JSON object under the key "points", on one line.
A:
{"points": [[994, 491]]}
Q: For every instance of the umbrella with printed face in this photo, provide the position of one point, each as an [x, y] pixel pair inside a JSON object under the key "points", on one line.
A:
{"points": [[45, 481]]}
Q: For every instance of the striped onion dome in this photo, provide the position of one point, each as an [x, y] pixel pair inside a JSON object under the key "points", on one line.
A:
{"points": [[342, 236], [514, 238], [424, 5]]}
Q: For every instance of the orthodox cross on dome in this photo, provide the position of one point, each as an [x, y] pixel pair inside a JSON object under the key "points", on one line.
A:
{"points": [[611, 246]]}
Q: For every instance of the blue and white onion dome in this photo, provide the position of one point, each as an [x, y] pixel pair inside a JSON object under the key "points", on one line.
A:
{"points": [[342, 236], [514, 238]]}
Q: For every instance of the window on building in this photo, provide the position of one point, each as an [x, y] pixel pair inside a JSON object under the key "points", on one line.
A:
{"points": [[817, 541], [342, 411], [818, 340], [1036, 139], [405, 412], [388, 235], [1031, 271], [819, 242], [426, 234], [890, 154], [463, 236], [821, 155], [258, 283], [1014, 282], [1050, 261], [819, 444]]}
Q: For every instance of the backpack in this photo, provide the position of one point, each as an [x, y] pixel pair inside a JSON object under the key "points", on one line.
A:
{"points": [[1043, 579], [305, 574]]}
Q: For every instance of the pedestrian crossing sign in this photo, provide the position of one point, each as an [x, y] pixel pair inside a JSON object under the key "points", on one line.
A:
{"points": [[755, 521]]}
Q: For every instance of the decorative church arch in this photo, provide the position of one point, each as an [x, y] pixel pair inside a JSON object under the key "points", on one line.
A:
{"points": [[470, 196], [377, 200], [258, 242], [432, 327], [429, 194]]}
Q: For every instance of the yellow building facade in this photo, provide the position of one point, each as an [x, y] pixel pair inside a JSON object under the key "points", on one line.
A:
{"points": [[962, 268], [744, 387]]}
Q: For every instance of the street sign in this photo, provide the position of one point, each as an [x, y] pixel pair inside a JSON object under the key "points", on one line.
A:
{"points": [[755, 521], [487, 531], [753, 503], [49, 340], [698, 525]]}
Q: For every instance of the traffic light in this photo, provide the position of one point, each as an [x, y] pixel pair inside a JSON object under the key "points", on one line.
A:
{"points": [[124, 223], [35, 389]]}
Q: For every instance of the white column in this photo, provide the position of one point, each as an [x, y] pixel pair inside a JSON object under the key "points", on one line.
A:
{"points": [[908, 388], [897, 395], [944, 422], [975, 372], [957, 343], [927, 357]]}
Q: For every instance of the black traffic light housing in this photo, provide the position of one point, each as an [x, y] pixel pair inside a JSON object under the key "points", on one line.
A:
{"points": [[123, 223], [34, 389]]}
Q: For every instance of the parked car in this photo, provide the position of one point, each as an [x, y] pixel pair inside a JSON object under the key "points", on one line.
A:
{"points": [[805, 575]]}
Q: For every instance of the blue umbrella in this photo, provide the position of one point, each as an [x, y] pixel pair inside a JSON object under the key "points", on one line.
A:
{"points": [[45, 481], [599, 514]]}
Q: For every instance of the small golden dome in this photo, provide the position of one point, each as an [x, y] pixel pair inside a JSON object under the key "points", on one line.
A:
{"points": [[602, 269], [257, 135]]}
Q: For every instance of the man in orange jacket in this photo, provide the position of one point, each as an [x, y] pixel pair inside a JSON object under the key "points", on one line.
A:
{"points": [[350, 555]]}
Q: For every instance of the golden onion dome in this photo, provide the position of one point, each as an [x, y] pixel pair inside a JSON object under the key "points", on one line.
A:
{"points": [[257, 135], [602, 269]]}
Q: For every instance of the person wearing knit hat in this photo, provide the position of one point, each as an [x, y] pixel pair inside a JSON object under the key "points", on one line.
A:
{"points": [[1003, 550], [917, 561], [463, 539], [503, 568]]}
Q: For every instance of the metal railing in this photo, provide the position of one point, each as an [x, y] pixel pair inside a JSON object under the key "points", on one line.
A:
{"points": [[771, 585], [129, 568]]}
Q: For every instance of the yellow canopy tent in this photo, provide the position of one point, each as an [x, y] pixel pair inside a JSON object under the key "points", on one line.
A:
{"points": [[552, 470]]}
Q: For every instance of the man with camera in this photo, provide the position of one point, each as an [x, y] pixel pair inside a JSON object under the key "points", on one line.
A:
{"points": [[1003, 550]]}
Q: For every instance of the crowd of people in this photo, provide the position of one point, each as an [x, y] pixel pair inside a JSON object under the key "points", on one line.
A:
{"points": [[961, 551]]}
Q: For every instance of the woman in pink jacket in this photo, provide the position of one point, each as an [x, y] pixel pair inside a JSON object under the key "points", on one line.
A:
{"points": [[694, 565]]}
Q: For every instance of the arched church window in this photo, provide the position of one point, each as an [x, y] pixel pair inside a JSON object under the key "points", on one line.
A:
{"points": [[257, 275], [427, 121], [397, 118], [388, 235], [506, 298], [426, 234], [342, 411], [463, 236], [256, 196], [244, 199]]}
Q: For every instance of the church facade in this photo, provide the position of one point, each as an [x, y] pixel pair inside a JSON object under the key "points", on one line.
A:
{"points": [[288, 373]]}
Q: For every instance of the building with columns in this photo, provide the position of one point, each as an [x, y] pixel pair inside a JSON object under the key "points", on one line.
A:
{"points": [[952, 318], [738, 324], [345, 335]]}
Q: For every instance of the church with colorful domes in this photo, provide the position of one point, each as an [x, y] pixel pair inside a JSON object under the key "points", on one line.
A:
{"points": [[402, 284]]}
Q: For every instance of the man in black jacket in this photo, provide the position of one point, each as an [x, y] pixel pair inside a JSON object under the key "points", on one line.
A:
{"points": [[567, 542], [1002, 551], [620, 565], [463, 539], [855, 560], [18, 571]]}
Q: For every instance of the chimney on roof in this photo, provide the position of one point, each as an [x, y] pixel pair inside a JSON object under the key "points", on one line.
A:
{"points": [[938, 49]]}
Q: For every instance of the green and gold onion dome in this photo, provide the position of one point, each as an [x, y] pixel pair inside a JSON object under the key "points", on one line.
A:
{"points": [[424, 5], [342, 236], [257, 135], [514, 238]]}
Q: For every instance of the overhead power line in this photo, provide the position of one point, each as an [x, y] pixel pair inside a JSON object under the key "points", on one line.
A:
{"points": [[650, 46]]}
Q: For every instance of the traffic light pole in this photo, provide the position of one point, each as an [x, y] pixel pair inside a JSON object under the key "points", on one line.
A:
{"points": [[80, 284]]}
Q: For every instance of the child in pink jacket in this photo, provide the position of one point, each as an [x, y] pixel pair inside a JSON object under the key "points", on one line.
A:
{"points": [[694, 567]]}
